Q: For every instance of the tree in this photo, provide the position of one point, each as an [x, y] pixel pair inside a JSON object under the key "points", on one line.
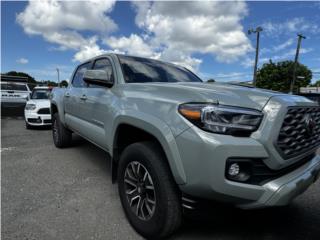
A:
{"points": [[22, 74], [211, 80], [316, 84], [278, 76], [31, 81], [64, 83], [49, 83]]}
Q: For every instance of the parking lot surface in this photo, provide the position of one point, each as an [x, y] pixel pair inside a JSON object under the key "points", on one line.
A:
{"points": [[49, 193]]}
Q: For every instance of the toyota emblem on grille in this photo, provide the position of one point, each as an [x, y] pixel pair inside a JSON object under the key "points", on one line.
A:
{"points": [[310, 124]]}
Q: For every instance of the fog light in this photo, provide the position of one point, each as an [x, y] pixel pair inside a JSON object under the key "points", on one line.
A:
{"points": [[234, 169], [239, 171]]}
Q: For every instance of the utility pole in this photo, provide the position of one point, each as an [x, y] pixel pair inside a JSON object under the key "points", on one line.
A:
{"points": [[257, 31], [300, 37], [58, 72]]}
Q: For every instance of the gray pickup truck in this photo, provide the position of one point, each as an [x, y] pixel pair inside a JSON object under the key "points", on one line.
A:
{"points": [[176, 141]]}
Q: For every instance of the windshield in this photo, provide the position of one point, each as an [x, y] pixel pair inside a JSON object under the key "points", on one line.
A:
{"points": [[13, 87], [139, 70], [40, 94]]}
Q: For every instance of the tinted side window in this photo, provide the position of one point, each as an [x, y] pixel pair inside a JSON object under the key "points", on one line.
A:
{"points": [[105, 64], [78, 76]]}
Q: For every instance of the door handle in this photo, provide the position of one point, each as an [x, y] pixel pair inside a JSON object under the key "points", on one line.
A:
{"points": [[67, 94], [84, 97]]}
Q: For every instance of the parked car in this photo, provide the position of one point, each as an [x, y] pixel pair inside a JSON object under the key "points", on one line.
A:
{"points": [[37, 109], [175, 140], [14, 94]]}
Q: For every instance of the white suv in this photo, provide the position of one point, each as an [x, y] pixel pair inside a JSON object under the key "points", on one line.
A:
{"points": [[14, 94], [37, 110]]}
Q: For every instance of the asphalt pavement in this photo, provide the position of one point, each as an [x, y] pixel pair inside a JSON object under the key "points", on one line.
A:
{"points": [[49, 193]]}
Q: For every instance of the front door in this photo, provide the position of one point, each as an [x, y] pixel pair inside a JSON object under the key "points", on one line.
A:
{"points": [[74, 101], [98, 112]]}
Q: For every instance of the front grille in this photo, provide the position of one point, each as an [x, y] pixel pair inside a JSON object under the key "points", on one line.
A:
{"points": [[34, 120], [300, 131], [44, 111]]}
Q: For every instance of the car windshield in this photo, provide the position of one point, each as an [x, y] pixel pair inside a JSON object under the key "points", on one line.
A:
{"points": [[13, 87], [140, 70], [40, 94]]}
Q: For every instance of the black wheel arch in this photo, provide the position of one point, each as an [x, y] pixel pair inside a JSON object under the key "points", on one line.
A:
{"points": [[125, 135]]}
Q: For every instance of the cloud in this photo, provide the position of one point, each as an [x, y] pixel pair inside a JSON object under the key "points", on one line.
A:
{"points": [[294, 25], [287, 55], [22, 61], [61, 23], [233, 76], [133, 45], [283, 46], [175, 31], [172, 31], [52, 16], [88, 51]]}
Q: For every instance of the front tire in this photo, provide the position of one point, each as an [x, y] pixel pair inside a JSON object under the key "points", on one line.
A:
{"points": [[62, 137], [148, 193], [28, 126]]}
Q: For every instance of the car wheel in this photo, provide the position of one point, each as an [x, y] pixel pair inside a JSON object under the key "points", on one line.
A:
{"points": [[62, 136], [28, 126], [148, 193]]}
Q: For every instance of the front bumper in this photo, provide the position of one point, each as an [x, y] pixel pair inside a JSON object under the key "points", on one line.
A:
{"points": [[35, 119], [204, 160]]}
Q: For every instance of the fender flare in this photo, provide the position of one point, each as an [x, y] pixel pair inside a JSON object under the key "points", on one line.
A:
{"points": [[157, 128]]}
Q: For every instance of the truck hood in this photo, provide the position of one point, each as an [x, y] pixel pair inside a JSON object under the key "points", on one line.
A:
{"points": [[40, 103], [226, 94]]}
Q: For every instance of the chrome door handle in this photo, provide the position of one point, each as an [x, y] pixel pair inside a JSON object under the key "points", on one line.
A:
{"points": [[67, 94], [84, 97]]}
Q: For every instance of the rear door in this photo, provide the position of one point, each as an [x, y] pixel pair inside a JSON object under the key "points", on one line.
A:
{"points": [[73, 100], [97, 106]]}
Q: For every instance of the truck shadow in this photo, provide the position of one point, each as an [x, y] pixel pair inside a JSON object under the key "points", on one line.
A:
{"points": [[291, 222]]}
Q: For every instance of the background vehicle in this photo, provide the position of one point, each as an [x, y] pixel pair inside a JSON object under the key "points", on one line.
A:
{"points": [[175, 140], [37, 110], [14, 94]]}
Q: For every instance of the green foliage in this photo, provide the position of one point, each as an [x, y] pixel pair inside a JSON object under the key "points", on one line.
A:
{"points": [[316, 84], [64, 83], [22, 74], [32, 82], [49, 83], [211, 80], [278, 76]]}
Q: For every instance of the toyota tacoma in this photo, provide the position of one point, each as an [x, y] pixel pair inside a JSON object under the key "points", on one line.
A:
{"points": [[176, 141]]}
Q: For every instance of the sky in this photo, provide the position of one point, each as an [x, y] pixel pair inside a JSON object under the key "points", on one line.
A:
{"points": [[209, 38]]}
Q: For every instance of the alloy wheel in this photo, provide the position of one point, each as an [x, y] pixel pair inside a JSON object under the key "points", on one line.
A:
{"points": [[139, 189]]}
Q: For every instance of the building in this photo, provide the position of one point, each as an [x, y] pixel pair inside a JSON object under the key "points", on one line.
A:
{"points": [[310, 90]]}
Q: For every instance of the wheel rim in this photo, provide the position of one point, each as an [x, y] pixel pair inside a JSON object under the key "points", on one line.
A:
{"points": [[139, 189], [55, 131]]}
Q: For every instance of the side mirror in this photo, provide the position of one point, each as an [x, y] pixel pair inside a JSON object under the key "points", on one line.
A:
{"points": [[98, 77]]}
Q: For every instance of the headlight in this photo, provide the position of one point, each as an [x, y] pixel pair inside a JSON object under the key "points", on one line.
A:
{"points": [[222, 119], [30, 106]]}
